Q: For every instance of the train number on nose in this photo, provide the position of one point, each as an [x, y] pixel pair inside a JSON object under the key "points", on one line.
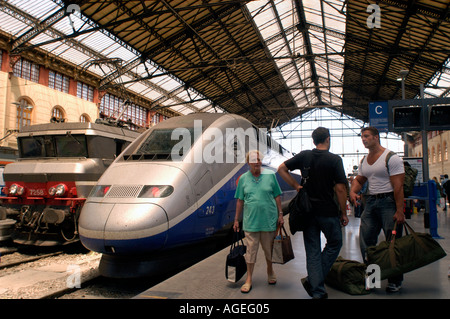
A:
{"points": [[37, 192], [210, 210]]}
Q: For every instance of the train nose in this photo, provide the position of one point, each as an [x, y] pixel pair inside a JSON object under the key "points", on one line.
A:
{"points": [[123, 228]]}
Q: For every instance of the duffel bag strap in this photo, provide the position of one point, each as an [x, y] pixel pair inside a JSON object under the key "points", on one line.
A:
{"points": [[392, 258], [339, 272], [416, 238]]}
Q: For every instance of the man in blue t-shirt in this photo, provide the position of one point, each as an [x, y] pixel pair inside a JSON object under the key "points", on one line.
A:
{"points": [[325, 180]]}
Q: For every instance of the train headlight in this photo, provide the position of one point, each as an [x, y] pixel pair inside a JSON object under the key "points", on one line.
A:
{"points": [[52, 191], [20, 190], [16, 190], [99, 190], [60, 190], [156, 191]]}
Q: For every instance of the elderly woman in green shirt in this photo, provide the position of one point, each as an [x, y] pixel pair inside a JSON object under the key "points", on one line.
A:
{"points": [[258, 197]]}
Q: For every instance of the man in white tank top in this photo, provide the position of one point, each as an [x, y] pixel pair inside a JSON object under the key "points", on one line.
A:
{"points": [[384, 200]]}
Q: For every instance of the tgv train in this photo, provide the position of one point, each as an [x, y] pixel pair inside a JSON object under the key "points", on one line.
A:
{"points": [[174, 185], [58, 165]]}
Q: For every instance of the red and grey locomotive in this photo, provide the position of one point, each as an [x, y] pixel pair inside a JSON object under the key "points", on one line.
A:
{"points": [[58, 165]]}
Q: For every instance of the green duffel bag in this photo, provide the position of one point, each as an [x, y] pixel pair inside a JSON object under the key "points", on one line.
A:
{"points": [[348, 276], [404, 254]]}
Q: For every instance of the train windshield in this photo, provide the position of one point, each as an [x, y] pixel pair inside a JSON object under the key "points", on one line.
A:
{"points": [[163, 144], [53, 146], [33, 146], [71, 145]]}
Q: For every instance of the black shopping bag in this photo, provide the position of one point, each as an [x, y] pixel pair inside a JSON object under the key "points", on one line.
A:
{"points": [[235, 266]]}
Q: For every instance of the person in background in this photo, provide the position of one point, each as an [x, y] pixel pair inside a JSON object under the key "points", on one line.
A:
{"points": [[384, 200], [325, 180], [258, 198], [446, 190], [439, 192]]}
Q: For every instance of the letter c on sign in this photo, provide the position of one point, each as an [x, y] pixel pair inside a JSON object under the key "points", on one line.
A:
{"points": [[378, 109]]}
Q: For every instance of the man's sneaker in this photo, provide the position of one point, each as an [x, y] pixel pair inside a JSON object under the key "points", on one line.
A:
{"points": [[391, 287]]}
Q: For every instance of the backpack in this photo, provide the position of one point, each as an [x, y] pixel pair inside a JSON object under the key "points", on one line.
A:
{"points": [[410, 176]]}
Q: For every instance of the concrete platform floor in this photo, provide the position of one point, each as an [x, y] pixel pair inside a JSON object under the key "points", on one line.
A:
{"points": [[206, 279]]}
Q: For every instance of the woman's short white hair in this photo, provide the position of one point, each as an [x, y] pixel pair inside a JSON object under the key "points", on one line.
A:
{"points": [[247, 156]]}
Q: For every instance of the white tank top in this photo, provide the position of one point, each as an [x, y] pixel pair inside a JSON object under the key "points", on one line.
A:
{"points": [[377, 174]]}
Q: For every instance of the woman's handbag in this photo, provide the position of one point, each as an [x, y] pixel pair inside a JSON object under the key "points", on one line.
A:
{"points": [[404, 254], [282, 247], [235, 266]]}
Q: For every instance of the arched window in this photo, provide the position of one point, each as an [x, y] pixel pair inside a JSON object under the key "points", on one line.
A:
{"points": [[23, 115], [439, 158], [445, 151], [84, 118], [58, 114], [433, 155]]}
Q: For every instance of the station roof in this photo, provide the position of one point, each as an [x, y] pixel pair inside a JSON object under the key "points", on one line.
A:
{"points": [[269, 61]]}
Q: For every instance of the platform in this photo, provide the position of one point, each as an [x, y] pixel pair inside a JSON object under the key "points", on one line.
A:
{"points": [[206, 279]]}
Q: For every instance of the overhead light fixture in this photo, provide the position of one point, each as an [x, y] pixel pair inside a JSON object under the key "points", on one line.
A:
{"points": [[403, 74]]}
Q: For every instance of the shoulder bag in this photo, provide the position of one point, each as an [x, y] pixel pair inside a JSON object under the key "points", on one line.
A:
{"points": [[300, 208]]}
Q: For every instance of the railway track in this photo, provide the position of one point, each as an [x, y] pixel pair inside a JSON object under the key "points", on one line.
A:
{"points": [[62, 275], [37, 273], [106, 288], [72, 274], [23, 260]]}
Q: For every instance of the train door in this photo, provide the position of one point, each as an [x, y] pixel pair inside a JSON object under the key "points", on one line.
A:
{"points": [[206, 223]]}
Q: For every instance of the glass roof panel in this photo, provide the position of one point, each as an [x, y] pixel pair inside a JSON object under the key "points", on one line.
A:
{"points": [[320, 16], [277, 20]]}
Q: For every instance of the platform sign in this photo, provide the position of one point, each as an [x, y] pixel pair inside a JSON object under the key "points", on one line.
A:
{"points": [[378, 115], [438, 117], [407, 118]]}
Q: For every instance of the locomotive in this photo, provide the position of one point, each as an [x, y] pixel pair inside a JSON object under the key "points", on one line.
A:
{"points": [[172, 188], [58, 165]]}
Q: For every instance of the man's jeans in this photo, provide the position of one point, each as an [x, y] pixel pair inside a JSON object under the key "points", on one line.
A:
{"points": [[318, 262], [378, 214]]}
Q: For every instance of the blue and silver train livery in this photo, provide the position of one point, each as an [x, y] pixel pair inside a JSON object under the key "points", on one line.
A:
{"points": [[174, 185]]}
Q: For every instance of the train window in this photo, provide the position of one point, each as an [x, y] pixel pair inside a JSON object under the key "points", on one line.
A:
{"points": [[105, 147], [101, 147], [71, 145], [162, 142], [33, 146]]}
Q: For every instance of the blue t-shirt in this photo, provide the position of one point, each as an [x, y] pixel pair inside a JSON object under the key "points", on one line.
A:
{"points": [[260, 209]]}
